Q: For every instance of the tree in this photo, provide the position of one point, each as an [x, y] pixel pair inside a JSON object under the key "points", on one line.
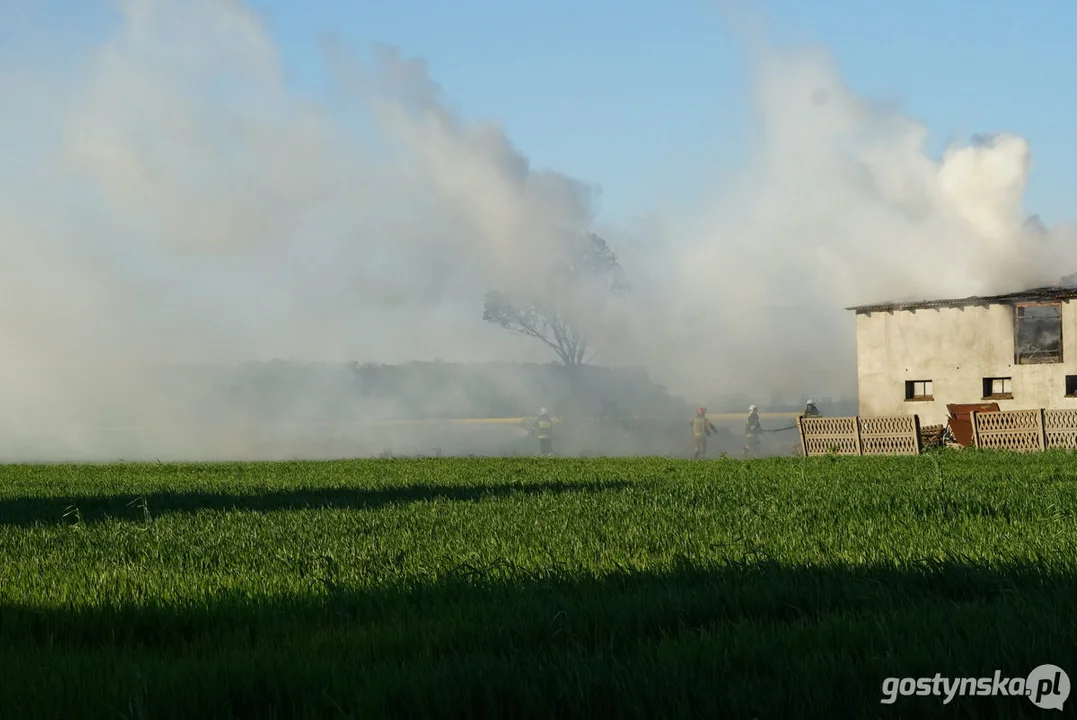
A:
{"points": [[575, 287]]}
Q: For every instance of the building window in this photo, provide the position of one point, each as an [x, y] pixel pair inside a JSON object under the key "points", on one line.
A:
{"points": [[918, 390], [1038, 333], [997, 388], [1071, 385]]}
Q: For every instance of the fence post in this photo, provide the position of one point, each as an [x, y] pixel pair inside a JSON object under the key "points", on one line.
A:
{"points": [[803, 440], [975, 432], [916, 429], [859, 437], [1043, 430]]}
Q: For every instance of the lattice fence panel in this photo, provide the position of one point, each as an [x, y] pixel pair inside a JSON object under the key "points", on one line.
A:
{"points": [[1061, 439], [822, 436], [897, 435], [1017, 440], [1018, 430], [1060, 429], [887, 425], [1008, 420], [829, 425]]}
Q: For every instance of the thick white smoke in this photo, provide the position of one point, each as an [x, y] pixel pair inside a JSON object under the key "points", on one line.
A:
{"points": [[172, 199], [839, 204]]}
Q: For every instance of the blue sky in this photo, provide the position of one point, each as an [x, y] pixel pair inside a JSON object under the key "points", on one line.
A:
{"points": [[629, 94]]}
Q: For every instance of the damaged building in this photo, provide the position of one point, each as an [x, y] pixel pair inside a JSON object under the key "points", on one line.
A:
{"points": [[1018, 350]]}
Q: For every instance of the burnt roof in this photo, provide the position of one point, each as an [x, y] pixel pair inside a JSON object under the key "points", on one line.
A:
{"points": [[1043, 294]]}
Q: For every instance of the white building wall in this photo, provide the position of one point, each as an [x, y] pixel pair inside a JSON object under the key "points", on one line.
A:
{"points": [[954, 348]]}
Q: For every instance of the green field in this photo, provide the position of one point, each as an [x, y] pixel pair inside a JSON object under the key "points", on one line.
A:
{"points": [[777, 588]]}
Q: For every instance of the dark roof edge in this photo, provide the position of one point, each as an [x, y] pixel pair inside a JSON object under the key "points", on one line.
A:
{"points": [[1032, 295]]}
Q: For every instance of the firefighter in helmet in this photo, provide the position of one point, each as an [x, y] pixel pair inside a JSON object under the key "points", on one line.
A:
{"points": [[701, 429], [810, 410], [543, 429], [752, 431]]}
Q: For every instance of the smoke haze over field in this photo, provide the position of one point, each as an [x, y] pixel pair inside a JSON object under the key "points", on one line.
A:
{"points": [[172, 199]]}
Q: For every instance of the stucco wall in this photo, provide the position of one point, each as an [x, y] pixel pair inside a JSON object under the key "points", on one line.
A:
{"points": [[955, 348]]}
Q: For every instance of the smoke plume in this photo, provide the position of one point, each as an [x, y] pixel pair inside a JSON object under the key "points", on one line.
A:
{"points": [[172, 199], [839, 204]]}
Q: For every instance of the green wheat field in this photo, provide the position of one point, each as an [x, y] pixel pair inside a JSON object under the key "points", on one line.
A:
{"points": [[650, 588]]}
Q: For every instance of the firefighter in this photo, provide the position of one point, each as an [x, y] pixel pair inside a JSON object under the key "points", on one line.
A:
{"points": [[701, 429], [544, 430], [810, 410], [752, 431]]}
